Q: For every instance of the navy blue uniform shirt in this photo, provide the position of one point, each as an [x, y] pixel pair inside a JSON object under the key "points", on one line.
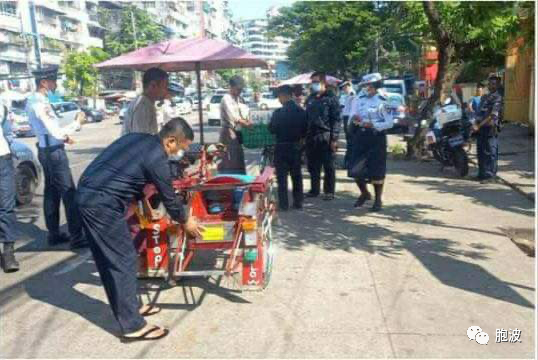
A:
{"points": [[323, 116], [123, 169], [289, 123]]}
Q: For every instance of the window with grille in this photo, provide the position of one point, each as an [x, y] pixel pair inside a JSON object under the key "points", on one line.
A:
{"points": [[8, 8]]}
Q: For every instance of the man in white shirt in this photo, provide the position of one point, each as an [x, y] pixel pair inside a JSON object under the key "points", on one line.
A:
{"points": [[233, 116], [141, 116], [59, 185], [7, 199]]}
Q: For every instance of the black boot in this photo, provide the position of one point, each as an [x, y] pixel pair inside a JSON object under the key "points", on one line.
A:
{"points": [[8, 258], [378, 205], [365, 194]]}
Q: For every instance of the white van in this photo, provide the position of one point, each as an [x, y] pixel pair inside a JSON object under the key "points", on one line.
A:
{"points": [[395, 86]]}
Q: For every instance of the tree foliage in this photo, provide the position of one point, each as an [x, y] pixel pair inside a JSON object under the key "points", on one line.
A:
{"points": [[122, 41], [466, 34], [80, 73], [332, 36], [225, 76]]}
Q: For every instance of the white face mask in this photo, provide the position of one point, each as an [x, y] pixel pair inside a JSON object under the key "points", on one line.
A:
{"points": [[177, 157]]}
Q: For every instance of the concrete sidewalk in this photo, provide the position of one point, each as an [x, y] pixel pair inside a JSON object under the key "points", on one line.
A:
{"points": [[517, 155]]}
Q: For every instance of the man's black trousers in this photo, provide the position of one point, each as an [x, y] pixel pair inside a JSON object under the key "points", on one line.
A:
{"points": [[7, 200], [487, 147], [115, 256], [319, 154], [288, 162], [59, 186]]}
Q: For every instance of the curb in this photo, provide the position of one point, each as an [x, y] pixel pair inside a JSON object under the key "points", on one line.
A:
{"points": [[513, 186]]}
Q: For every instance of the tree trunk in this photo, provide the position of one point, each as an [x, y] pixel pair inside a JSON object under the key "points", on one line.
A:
{"points": [[446, 75]]}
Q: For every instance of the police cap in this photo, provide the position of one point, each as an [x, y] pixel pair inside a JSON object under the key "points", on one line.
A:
{"points": [[344, 84], [284, 90], [371, 79], [46, 73]]}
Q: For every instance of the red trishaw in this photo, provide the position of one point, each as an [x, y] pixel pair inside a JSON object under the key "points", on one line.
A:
{"points": [[237, 214], [236, 211]]}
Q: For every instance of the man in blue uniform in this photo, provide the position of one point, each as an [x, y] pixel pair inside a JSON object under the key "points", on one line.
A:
{"points": [[7, 197], [489, 116], [105, 191], [59, 183], [323, 112], [289, 124]]}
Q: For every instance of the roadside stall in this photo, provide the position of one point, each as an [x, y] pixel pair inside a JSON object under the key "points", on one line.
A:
{"points": [[236, 211]]}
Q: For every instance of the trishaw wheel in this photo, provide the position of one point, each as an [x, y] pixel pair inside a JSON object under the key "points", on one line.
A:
{"points": [[268, 253]]}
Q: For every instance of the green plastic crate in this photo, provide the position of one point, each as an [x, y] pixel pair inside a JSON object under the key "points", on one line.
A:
{"points": [[257, 137]]}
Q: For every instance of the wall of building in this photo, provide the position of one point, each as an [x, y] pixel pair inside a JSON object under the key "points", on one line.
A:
{"points": [[273, 50], [518, 94]]}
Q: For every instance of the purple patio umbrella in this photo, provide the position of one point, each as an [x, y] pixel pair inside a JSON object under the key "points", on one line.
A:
{"points": [[305, 79], [194, 54]]}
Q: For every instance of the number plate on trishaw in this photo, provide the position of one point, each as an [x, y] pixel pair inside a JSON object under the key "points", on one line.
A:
{"points": [[213, 233]]}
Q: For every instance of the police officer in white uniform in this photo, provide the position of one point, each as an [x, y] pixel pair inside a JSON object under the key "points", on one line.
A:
{"points": [[370, 120], [7, 198], [59, 183], [346, 99]]}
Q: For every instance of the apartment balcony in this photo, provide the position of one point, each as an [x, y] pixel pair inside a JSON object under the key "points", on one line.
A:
{"points": [[70, 36], [51, 30], [51, 6], [10, 22], [93, 17], [95, 42], [51, 58], [12, 53]]}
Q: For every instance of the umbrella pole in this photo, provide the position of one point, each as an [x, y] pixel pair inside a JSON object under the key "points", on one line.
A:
{"points": [[200, 114]]}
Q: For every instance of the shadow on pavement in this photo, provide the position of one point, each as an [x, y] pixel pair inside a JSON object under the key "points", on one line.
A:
{"points": [[443, 258], [57, 286], [498, 196], [333, 226]]}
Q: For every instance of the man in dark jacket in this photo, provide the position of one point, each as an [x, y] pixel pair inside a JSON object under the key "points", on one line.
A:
{"points": [[289, 124], [106, 189], [323, 112], [490, 116]]}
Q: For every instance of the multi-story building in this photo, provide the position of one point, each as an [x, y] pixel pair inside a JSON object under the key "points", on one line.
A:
{"points": [[171, 15], [271, 49], [185, 19], [61, 25]]}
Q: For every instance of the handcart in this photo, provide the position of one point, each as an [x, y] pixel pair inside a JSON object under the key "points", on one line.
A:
{"points": [[237, 215]]}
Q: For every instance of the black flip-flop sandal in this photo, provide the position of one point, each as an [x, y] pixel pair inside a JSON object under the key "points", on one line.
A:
{"points": [[144, 335], [152, 310]]}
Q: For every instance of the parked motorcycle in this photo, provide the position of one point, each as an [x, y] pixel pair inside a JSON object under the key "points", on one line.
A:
{"points": [[448, 136]]}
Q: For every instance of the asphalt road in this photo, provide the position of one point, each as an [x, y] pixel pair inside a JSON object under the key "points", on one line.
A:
{"points": [[407, 282]]}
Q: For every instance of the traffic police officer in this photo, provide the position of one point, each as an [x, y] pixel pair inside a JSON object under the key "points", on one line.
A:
{"points": [[7, 197], [52, 138], [346, 99], [105, 191], [289, 124], [323, 113], [487, 124], [370, 120]]}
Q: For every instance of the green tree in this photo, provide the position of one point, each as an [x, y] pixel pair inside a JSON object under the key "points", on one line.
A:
{"points": [[147, 31], [255, 84], [467, 34], [81, 75], [225, 76], [333, 36]]}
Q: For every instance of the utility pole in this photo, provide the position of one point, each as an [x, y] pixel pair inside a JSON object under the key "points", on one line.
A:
{"points": [[133, 24], [35, 34], [376, 69], [136, 74]]}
